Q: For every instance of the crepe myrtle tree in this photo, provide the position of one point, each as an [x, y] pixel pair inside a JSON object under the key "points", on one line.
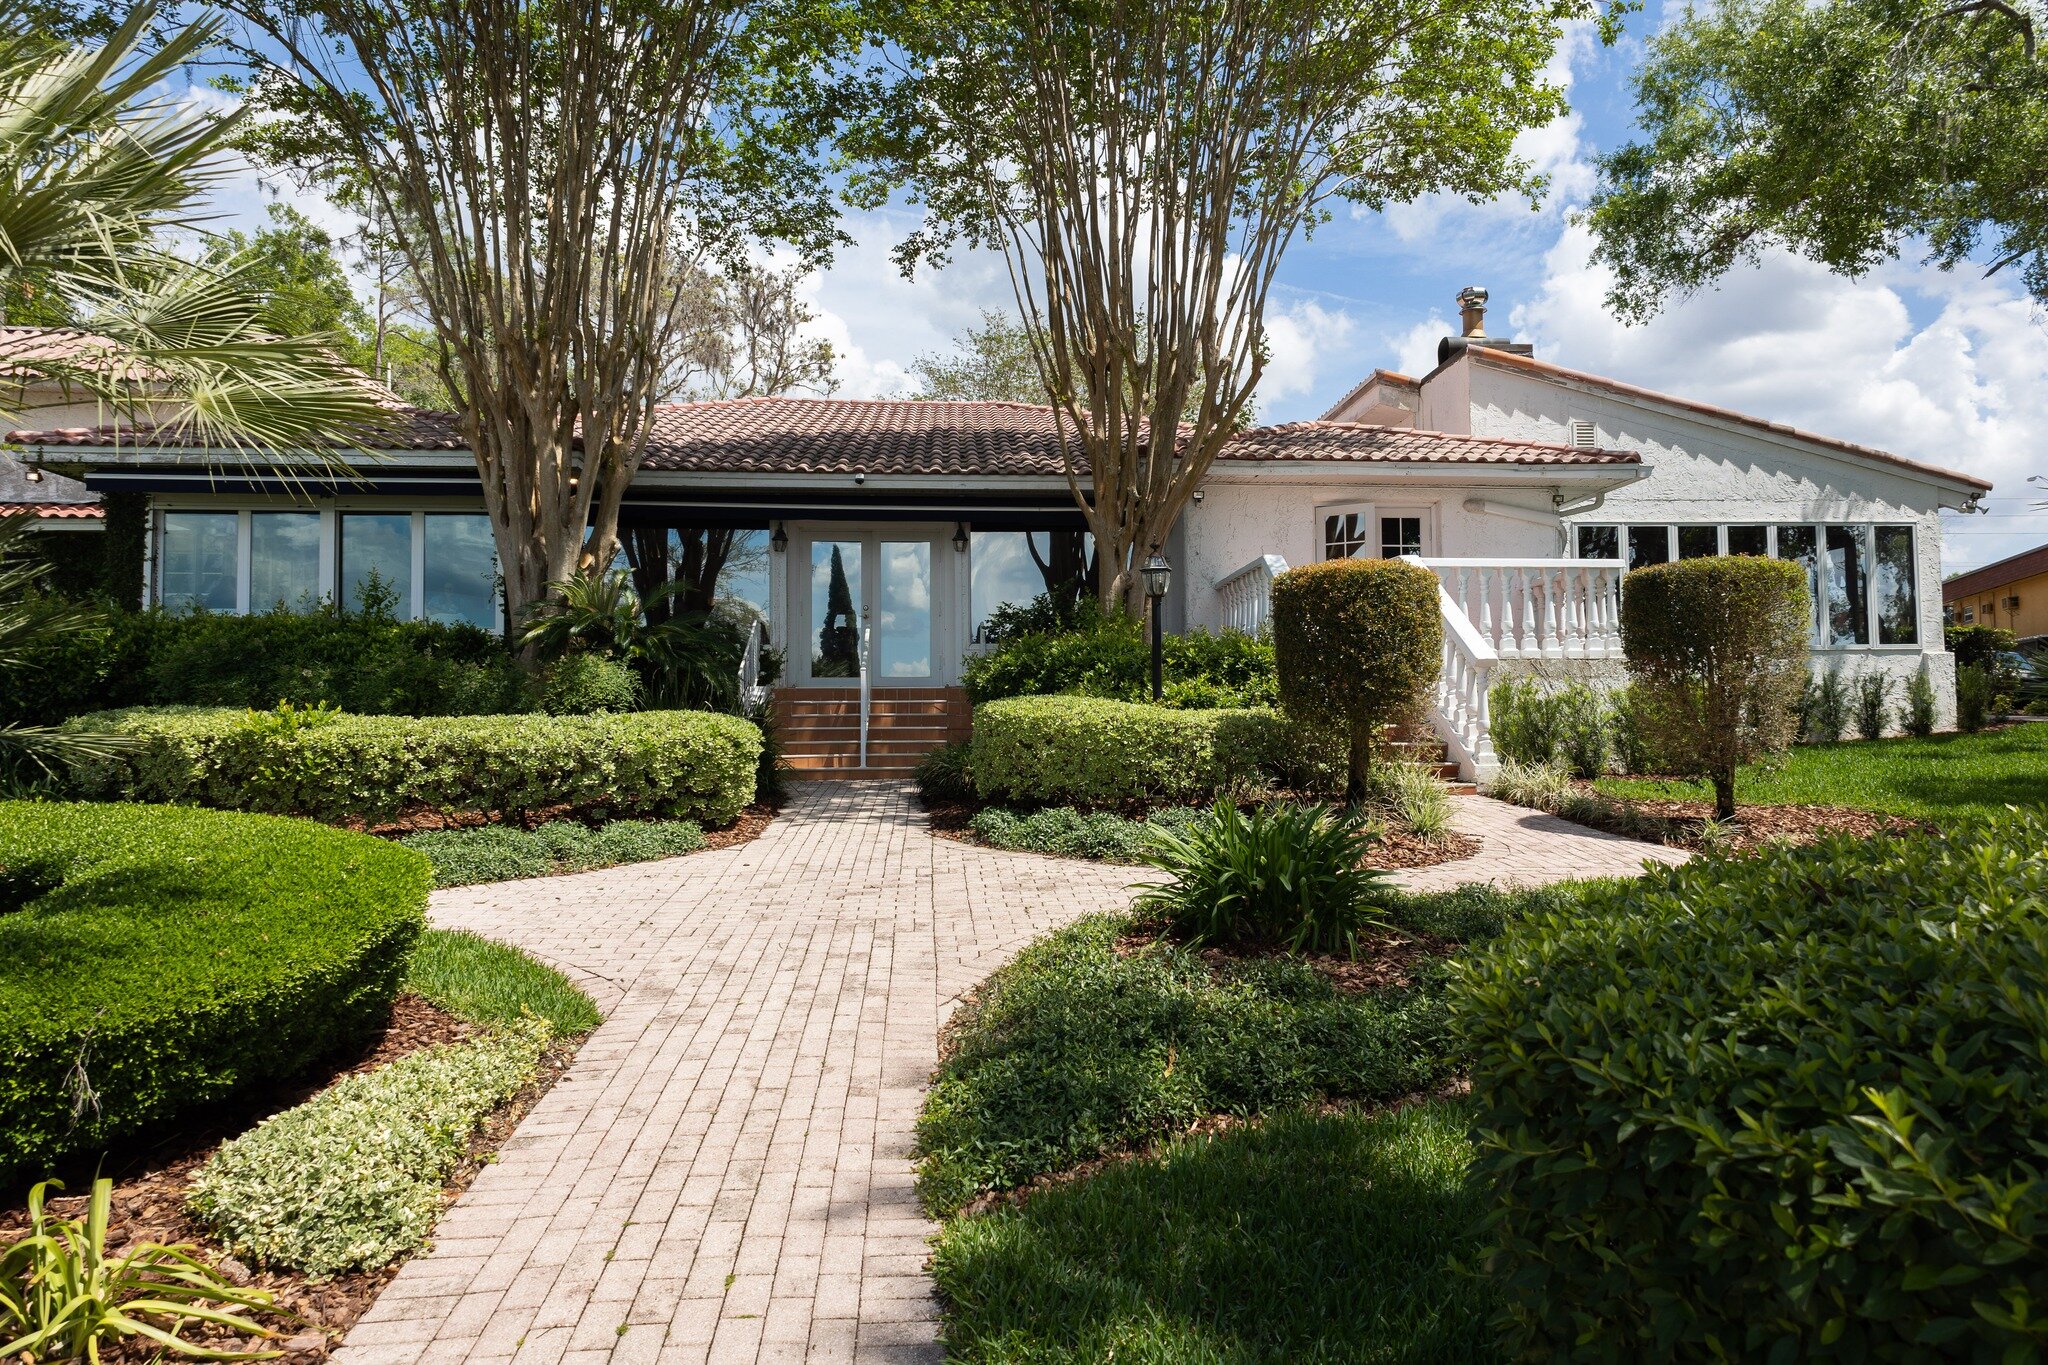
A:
{"points": [[1840, 129], [1357, 644], [547, 170], [1143, 168], [1716, 651]]}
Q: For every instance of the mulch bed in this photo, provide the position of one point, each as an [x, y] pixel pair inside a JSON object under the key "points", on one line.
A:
{"points": [[749, 825], [151, 1182], [1681, 824], [1385, 960], [753, 822]]}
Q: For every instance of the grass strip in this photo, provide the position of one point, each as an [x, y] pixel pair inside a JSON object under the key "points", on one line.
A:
{"points": [[498, 853], [490, 983]]}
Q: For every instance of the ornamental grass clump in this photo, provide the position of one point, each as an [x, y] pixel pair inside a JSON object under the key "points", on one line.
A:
{"points": [[351, 1179], [1787, 1106], [1716, 650]]}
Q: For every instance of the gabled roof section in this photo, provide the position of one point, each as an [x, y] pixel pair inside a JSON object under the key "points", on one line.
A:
{"points": [[1354, 441], [1529, 364], [2011, 569], [1389, 379]]}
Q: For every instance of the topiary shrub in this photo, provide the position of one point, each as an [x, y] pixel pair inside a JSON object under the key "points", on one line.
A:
{"points": [[1788, 1106], [1973, 697], [1087, 751], [153, 960], [688, 764], [1873, 704], [1717, 649], [588, 684], [1357, 643]]}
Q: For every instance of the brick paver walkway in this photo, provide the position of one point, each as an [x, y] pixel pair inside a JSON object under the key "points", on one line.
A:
{"points": [[725, 1172]]}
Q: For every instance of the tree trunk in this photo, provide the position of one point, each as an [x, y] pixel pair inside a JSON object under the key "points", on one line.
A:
{"points": [[1359, 784], [1724, 794]]}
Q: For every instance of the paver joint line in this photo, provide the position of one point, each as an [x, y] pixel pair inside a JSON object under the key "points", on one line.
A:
{"points": [[725, 1171]]}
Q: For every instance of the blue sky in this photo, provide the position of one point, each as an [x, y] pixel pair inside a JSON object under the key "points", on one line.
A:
{"points": [[1949, 368]]}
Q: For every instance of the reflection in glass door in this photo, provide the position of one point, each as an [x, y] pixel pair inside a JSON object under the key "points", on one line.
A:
{"points": [[835, 620], [903, 610]]}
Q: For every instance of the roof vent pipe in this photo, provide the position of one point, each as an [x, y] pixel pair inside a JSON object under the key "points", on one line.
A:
{"points": [[1472, 310], [1472, 314]]}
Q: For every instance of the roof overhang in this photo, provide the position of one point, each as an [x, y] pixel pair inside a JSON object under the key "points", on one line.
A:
{"points": [[1587, 478]]}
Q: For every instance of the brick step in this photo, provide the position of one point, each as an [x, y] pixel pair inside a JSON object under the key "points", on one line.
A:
{"points": [[876, 726], [876, 745], [851, 711], [895, 765]]}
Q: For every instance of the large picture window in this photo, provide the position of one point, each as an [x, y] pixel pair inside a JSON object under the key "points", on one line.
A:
{"points": [[284, 560], [1863, 578], [198, 568], [461, 570]]}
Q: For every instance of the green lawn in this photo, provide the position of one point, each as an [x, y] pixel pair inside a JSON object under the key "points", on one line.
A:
{"points": [[491, 983], [1942, 777], [1307, 1238]]}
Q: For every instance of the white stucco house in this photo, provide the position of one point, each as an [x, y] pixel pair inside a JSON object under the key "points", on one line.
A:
{"points": [[1528, 488]]}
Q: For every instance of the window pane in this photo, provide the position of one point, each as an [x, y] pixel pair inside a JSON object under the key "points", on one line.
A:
{"points": [[1747, 540], [1344, 535], [377, 547], [284, 560], [1648, 545], [835, 608], [1848, 582], [199, 561], [1012, 568], [1599, 542], [903, 602], [1400, 536], [743, 578], [1698, 542], [1797, 544], [462, 570], [1898, 604]]}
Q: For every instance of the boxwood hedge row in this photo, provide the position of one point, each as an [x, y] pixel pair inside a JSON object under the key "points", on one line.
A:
{"points": [[1791, 1106], [680, 764], [153, 959]]}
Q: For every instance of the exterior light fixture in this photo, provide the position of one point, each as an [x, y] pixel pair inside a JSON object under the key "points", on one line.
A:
{"points": [[960, 536], [1158, 578], [780, 540], [1198, 497]]}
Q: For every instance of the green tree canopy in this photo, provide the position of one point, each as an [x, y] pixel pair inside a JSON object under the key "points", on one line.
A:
{"points": [[306, 288], [1842, 129]]}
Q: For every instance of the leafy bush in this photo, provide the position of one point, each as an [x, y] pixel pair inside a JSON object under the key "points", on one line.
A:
{"points": [[1110, 656], [1540, 786], [1534, 724], [585, 684], [351, 1179], [154, 960], [1638, 747], [1087, 751], [1718, 648], [487, 982], [1357, 643], [1873, 704], [1782, 1107], [1074, 1049], [1985, 646], [1068, 833], [497, 853], [688, 764], [1824, 707], [945, 774], [1919, 716], [1415, 796], [1282, 875], [1973, 697]]}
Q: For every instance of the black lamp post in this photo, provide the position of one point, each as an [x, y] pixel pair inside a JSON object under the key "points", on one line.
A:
{"points": [[1158, 578]]}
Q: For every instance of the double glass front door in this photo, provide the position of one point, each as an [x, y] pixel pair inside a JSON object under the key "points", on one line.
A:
{"points": [[882, 596]]}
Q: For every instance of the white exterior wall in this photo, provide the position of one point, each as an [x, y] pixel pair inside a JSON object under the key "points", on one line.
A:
{"points": [[1244, 516], [1707, 471]]}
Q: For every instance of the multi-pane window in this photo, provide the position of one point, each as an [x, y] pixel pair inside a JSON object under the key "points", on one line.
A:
{"points": [[1346, 534], [1388, 532], [1400, 535], [1863, 578]]}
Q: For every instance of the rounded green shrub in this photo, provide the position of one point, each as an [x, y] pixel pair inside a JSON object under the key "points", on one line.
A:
{"points": [[1789, 1106], [1716, 649], [587, 684], [155, 959], [1357, 642], [1111, 656]]}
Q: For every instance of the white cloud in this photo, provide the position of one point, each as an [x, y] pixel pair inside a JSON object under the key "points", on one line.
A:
{"points": [[1299, 337]]}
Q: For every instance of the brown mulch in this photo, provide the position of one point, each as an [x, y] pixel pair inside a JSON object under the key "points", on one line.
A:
{"points": [[751, 822], [1682, 824], [1385, 959], [151, 1182]]}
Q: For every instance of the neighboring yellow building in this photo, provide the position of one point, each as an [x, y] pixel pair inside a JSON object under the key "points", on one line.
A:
{"points": [[2011, 594]]}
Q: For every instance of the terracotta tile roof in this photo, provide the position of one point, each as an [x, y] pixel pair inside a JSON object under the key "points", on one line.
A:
{"points": [[906, 437], [2025, 564], [1507, 360], [81, 511]]}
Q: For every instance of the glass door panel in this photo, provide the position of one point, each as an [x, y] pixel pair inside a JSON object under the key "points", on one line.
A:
{"points": [[835, 608], [903, 609]]}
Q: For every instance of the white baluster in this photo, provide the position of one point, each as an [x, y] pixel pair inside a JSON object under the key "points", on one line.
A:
{"points": [[1527, 639], [1485, 622]]}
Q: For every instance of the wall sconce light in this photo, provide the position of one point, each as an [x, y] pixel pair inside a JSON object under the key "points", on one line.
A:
{"points": [[32, 469], [780, 540], [960, 536], [1198, 497]]}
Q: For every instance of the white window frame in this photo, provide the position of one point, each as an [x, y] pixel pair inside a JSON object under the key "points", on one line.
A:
{"points": [[1370, 514]]}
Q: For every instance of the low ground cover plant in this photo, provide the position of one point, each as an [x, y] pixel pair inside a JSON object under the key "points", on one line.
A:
{"points": [[691, 765], [496, 853], [1068, 833], [487, 982], [1109, 656], [1802, 1096], [1305, 1237], [352, 1178], [153, 960]]}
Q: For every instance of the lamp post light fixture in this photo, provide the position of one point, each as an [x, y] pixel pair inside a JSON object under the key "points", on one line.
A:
{"points": [[780, 540], [960, 536], [1158, 578]]}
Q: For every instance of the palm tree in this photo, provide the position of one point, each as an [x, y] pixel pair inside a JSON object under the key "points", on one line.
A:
{"points": [[30, 622], [96, 163]]}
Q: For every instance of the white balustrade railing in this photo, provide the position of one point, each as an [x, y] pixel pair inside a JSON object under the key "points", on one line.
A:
{"points": [[752, 694], [1537, 608], [1248, 593], [1459, 711]]}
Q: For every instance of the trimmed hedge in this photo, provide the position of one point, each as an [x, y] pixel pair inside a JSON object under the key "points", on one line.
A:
{"points": [[1789, 1106], [1111, 656], [682, 764], [1089, 751], [153, 960]]}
